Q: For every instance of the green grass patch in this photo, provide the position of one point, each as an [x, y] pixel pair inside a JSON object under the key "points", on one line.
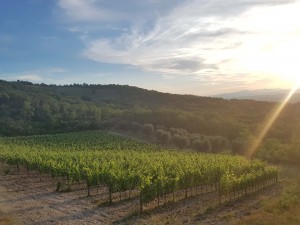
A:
{"points": [[283, 210]]}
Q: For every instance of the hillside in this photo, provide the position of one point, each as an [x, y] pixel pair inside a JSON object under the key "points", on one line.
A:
{"points": [[268, 95], [89, 106], [28, 108]]}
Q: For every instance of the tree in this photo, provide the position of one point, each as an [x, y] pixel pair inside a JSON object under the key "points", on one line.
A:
{"points": [[147, 129], [179, 131], [162, 136], [135, 127], [238, 146], [181, 141], [202, 145], [218, 143], [272, 150], [123, 125]]}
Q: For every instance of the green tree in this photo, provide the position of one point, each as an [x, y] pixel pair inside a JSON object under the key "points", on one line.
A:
{"points": [[162, 136], [181, 141], [148, 129]]}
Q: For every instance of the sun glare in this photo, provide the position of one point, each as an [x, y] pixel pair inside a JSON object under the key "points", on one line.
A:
{"points": [[272, 49], [278, 61], [273, 54], [268, 123]]}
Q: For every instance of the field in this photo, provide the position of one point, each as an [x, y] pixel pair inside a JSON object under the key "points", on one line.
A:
{"points": [[123, 178]]}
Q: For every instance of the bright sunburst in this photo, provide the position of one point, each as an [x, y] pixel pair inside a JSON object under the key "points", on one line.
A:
{"points": [[277, 61], [272, 49], [273, 55], [268, 123]]}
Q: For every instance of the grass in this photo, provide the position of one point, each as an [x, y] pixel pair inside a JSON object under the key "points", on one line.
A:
{"points": [[283, 210]]}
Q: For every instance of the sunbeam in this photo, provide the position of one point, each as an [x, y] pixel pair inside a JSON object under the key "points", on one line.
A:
{"points": [[269, 122]]}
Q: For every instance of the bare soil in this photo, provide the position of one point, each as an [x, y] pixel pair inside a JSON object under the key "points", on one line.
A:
{"points": [[29, 201]]}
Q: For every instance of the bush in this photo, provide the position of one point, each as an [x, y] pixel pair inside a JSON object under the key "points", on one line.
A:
{"points": [[160, 127], [218, 143], [202, 145], [239, 146], [274, 151], [135, 127], [193, 137], [147, 129], [162, 136], [181, 132], [123, 125], [181, 141]]}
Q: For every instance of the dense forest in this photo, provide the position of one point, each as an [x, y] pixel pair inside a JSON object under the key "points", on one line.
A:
{"points": [[186, 121]]}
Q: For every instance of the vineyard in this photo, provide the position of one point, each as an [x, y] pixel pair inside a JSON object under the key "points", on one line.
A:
{"points": [[141, 170]]}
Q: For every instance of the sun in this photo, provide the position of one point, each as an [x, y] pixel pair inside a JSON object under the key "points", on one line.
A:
{"points": [[276, 60], [286, 58], [290, 74], [271, 49], [294, 79], [279, 63]]}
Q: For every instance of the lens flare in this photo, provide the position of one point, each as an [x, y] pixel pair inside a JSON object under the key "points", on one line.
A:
{"points": [[269, 122]]}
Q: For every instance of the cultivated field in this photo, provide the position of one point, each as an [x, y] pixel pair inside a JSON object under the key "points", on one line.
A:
{"points": [[49, 178]]}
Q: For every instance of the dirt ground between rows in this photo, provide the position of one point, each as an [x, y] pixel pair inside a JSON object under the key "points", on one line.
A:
{"points": [[29, 201]]}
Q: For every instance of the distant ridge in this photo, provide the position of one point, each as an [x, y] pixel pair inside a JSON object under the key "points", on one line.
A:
{"points": [[269, 95], [28, 108]]}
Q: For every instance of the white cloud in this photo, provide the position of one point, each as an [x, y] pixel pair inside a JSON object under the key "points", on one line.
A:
{"points": [[46, 75], [82, 10], [104, 11], [213, 40], [54, 75], [29, 77]]}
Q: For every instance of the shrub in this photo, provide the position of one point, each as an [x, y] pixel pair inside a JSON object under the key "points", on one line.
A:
{"points": [[147, 129], [123, 125], [193, 137], [160, 127], [218, 143], [181, 141], [136, 127], [162, 136], [238, 146], [202, 145], [179, 131]]}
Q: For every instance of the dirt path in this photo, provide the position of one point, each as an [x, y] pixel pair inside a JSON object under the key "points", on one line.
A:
{"points": [[33, 202], [5, 218], [30, 201], [205, 210]]}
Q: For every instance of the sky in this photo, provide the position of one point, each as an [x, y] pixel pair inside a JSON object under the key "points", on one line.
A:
{"points": [[199, 47]]}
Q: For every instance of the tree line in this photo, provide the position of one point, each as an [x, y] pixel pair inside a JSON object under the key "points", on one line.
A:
{"points": [[177, 137], [27, 109]]}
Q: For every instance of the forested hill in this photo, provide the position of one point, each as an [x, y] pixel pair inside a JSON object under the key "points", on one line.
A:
{"points": [[120, 96], [27, 108]]}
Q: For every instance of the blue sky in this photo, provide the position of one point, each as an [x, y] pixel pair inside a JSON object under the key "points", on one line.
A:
{"points": [[200, 47]]}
